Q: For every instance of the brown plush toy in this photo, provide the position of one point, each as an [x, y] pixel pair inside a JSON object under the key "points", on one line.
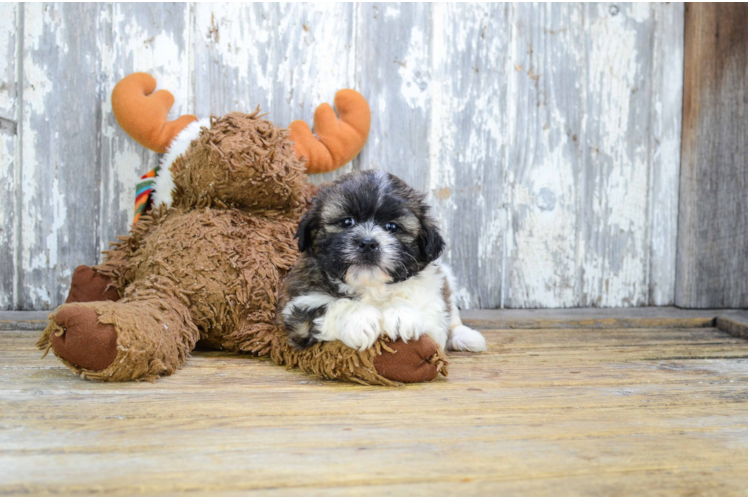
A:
{"points": [[206, 263]]}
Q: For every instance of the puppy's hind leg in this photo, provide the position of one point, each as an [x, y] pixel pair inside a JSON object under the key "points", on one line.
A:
{"points": [[461, 337]]}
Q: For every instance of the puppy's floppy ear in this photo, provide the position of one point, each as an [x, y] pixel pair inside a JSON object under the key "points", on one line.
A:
{"points": [[430, 240], [309, 222]]}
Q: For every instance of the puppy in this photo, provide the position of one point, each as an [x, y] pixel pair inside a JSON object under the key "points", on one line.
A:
{"points": [[369, 267]]}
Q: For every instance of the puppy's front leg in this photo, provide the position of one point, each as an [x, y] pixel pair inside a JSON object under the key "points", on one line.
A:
{"points": [[356, 324], [403, 322]]}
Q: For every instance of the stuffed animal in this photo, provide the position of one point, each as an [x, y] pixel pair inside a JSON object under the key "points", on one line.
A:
{"points": [[212, 241]]}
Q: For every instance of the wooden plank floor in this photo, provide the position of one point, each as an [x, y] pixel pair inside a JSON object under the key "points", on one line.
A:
{"points": [[545, 411]]}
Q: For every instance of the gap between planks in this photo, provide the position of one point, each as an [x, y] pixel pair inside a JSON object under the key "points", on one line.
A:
{"points": [[732, 321]]}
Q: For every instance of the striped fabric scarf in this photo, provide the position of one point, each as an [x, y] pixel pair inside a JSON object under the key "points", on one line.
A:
{"points": [[143, 192]]}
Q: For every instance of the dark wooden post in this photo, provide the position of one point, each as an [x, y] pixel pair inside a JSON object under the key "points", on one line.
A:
{"points": [[712, 261]]}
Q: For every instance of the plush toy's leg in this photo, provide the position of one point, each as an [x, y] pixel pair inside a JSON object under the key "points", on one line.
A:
{"points": [[133, 339], [385, 363], [417, 361], [89, 286]]}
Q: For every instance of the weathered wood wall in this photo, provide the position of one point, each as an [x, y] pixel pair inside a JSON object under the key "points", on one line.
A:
{"points": [[712, 258], [547, 136]]}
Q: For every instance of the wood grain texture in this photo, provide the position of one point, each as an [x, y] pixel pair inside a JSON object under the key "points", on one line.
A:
{"points": [[588, 91], [59, 172], [713, 239], [543, 412], [469, 124], [23, 320], [546, 116], [393, 50], [9, 183], [667, 112], [616, 155], [579, 317], [546, 136], [734, 323], [603, 318]]}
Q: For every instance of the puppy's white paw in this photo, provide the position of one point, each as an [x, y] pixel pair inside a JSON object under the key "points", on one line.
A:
{"points": [[403, 322], [466, 339], [360, 327]]}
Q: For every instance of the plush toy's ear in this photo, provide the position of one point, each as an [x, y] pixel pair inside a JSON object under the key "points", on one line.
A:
{"points": [[143, 114], [335, 141]]}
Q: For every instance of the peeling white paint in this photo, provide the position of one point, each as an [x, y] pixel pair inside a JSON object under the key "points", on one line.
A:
{"points": [[37, 91], [415, 81], [8, 32], [391, 12], [154, 51], [59, 211], [123, 185], [616, 272], [223, 30], [667, 82]]}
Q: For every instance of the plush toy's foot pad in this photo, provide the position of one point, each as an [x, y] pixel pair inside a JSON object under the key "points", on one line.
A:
{"points": [[416, 361], [89, 286], [81, 340]]}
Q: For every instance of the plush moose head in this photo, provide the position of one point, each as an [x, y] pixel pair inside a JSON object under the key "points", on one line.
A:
{"points": [[246, 162]]}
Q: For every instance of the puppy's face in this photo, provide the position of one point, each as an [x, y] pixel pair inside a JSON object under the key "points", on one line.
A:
{"points": [[369, 228]]}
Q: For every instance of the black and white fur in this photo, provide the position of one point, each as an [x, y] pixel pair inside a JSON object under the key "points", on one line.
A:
{"points": [[369, 265]]}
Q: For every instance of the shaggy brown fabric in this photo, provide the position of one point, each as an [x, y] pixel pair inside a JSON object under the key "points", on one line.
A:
{"points": [[89, 286], [241, 161], [210, 268]]}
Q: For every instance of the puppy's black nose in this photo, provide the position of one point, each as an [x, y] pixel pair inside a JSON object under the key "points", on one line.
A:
{"points": [[368, 245]]}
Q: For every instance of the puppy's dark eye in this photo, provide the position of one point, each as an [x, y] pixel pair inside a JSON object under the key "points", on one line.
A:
{"points": [[391, 227], [349, 222]]}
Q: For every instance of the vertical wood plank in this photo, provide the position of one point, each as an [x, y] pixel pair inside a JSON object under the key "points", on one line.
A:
{"points": [[468, 151], [394, 56], [614, 248], [666, 107], [545, 158], [299, 56], [153, 38], [592, 172], [8, 149], [60, 173], [712, 269]]}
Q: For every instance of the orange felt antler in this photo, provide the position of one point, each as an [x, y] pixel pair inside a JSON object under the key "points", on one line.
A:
{"points": [[143, 114], [337, 141]]}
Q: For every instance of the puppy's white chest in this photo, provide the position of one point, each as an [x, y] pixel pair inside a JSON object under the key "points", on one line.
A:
{"points": [[383, 297], [422, 292]]}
